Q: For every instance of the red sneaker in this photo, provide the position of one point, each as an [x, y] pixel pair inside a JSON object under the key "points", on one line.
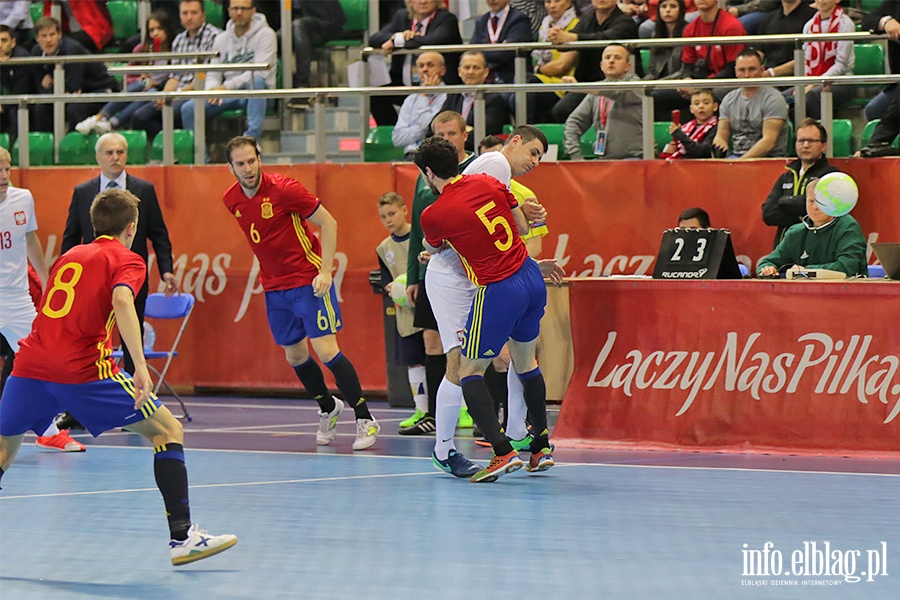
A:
{"points": [[500, 465], [61, 441]]}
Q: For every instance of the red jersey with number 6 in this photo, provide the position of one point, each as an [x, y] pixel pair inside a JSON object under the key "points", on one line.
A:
{"points": [[71, 339], [474, 214], [274, 221]]}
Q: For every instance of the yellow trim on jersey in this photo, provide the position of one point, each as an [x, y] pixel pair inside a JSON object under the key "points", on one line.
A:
{"points": [[305, 242], [470, 273], [127, 383], [522, 193], [474, 333], [104, 364], [329, 311]]}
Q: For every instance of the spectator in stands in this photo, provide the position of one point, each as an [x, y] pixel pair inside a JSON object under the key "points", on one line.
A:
{"points": [[418, 110], [702, 62], [117, 115], [694, 218], [421, 22], [616, 116], [320, 21], [536, 11], [886, 131], [694, 139], [247, 38], [13, 81], [79, 77], [16, 14], [751, 13], [789, 18], [649, 27], [198, 36], [819, 241], [786, 204], [88, 23], [548, 65], [665, 62], [885, 19], [502, 24], [752, 120], [473, 70], [603, 22]]}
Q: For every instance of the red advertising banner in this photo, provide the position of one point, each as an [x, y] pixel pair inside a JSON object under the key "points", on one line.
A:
{"points": [[735, 366], [605, 218]]}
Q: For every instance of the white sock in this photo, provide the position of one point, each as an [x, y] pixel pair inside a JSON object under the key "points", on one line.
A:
{"points": [[418, 386], [52, 430], [515, 420], [449, 399]]}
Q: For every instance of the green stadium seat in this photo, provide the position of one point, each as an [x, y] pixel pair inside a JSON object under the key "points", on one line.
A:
{"points": [[661, 135], [379, 146], [587, 143], [78, 149], [137, 145], [842, 138], [507, 129], [867, 132], [869, 5], [555, 135], [357, 13], [124, 15], [37, 11], [184, 147], [215, 13], [868, 59], [4, 140], [645, 58], [40, 149]]}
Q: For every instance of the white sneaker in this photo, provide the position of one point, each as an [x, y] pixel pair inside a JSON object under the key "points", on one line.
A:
{"points": [[87, 126], [199, 545], [102, 126], [328, 423], [366, 433]]}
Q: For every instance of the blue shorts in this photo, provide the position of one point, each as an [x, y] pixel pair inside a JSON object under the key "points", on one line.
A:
{"points": [[506, 309], [31, 404], [296, 313]]}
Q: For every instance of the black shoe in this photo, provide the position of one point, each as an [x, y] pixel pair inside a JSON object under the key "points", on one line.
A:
{"points": [[67, 421], [423, 426]]}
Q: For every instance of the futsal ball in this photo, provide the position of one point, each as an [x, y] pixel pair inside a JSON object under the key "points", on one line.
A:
{"points": [[398, 290], [836, 194]]}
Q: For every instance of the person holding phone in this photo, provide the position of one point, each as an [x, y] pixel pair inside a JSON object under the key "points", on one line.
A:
{"points": [[694, 139]]}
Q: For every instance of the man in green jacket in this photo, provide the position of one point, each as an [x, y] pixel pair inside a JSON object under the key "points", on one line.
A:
{"points": [[819, 241]]}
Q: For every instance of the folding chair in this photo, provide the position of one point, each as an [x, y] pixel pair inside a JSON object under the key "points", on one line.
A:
{"points": [[161, 307]]}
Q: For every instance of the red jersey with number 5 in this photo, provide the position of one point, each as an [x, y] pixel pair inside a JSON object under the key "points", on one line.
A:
{"points": [[71, 339], [474, 214], [274, 221]]}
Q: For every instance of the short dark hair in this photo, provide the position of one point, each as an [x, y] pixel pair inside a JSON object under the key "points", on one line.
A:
{"points": [[440, 156], [810, 122], [695, 213], [47, 23], [628, 51], [252, 4], [113, 210], [528, 133], [201, 2], [698, 91], [751, 53], [238, 141], [490, 141], [6, 29]]}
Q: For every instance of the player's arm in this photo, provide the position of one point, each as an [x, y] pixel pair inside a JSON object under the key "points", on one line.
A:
{"points": [[771, 129], [36, 256], [130, 331], [328, 238]]}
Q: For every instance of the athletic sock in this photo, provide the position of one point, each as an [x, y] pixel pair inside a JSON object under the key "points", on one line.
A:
{"points": [[517, 412], [435, 368], [347, 381], [496, 384], [449, 399], [418, 386], [51, 431], [172, 481], [535, 392], [313, 380], [481, 407]]}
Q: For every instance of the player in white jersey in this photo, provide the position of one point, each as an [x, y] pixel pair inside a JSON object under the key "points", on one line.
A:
{"points": [[19, 244]]}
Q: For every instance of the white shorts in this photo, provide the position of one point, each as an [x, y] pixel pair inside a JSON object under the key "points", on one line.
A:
{"points": [[451, 297], [17, 316]]}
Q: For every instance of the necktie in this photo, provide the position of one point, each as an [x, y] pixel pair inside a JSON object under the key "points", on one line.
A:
{"points": [[112, 185], [418, 28], [494, 21]]}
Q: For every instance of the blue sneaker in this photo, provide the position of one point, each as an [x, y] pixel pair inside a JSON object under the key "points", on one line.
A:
{"points": [[456, 464]]}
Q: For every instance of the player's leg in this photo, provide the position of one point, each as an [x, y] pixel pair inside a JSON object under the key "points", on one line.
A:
{"points": [[435, 361], [27, 405]]}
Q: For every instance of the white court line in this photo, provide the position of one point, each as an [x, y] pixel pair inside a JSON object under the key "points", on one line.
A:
{"points": [[221, 485]]}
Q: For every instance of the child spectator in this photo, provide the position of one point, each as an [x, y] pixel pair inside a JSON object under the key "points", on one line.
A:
{"points": [[694, 138], [409, 343]]}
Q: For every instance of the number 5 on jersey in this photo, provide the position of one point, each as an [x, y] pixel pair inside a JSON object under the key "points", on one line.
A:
{"points": [[494, 224]]}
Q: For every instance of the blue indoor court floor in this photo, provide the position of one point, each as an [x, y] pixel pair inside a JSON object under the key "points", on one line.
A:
{"points": [[323, 523]]}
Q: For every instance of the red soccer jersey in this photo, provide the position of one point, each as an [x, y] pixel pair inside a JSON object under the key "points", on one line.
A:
{"points": [[716, 57], [70, 341], [274, 221], [474, 214]]}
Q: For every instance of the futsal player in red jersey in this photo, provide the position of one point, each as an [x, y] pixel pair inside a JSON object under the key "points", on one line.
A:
{"points": [[473, 214], [274, 213], [65, 364]]}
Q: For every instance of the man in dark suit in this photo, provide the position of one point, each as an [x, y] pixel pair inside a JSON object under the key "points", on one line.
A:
{"points": [[885, 19], [112, 156], [424, 23], [473, 70], [13, 81], [503, 24]]}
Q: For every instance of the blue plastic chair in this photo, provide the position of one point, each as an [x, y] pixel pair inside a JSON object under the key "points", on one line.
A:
{"points": [[160, 307]]}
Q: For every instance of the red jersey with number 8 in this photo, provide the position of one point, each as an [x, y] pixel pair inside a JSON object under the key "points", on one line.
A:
{"points": [[474, 214], [274, 221], [71, 340]]}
